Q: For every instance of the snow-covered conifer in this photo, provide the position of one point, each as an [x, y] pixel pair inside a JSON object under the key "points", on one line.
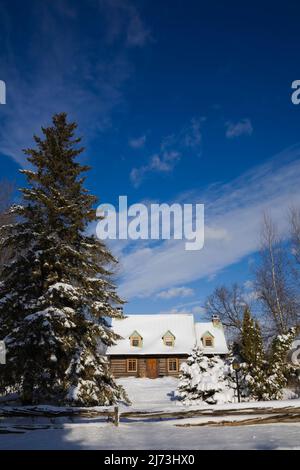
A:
{"points": [[279, 368], [265, 374], [205, 379], [56, 297]]}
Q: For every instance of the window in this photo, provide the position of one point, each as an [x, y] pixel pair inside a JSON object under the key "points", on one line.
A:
{"points": [[168, 339], [173, 365], [208, 340], [136, 340], [131, 365]]}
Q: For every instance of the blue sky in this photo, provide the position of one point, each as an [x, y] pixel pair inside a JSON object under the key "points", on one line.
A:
{"points": [[177, 101]]}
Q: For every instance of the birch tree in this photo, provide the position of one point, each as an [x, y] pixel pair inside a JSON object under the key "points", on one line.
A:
{"points": [[273, 281]]}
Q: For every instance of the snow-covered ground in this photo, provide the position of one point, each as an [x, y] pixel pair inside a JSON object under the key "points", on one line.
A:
{"points": [[150, 394], [159, 395], [162, 435], [147, 394]]}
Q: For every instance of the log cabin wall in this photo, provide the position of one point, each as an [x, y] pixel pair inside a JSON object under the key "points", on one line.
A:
{"points": [[118, 365]]}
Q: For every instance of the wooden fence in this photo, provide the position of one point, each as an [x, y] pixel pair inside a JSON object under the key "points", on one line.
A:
{"points": [[115, 416], [110, 414]]}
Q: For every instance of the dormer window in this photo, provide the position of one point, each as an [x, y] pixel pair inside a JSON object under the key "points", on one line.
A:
{"points": [[208, 340], [136, 340], [168, 339]]}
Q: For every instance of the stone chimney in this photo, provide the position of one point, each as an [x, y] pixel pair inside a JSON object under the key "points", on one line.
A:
{"points": [[216, 321]]}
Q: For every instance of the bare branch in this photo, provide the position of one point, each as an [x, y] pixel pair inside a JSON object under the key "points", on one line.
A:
{"points": [[229, 304], [273, 280]]}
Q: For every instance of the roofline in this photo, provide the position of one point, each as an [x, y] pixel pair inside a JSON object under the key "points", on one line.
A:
{"points": [[155, 315], [133, 353], [186, 353]]}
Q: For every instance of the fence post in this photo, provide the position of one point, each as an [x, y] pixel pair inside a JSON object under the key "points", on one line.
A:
{"points": [[116, 416]]}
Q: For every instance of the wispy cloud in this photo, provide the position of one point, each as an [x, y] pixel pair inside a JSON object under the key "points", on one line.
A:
{"points": [[137, 142], [62, 72], [164, 162], [248, 285], [172, 149], [175, 292], [237, 129], [197, 310], [233, 218], [137, 33], [124, 23], [192, 134]]}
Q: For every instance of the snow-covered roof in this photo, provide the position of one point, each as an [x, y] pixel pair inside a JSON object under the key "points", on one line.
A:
{"points": [[219, 340], [152, 328]]}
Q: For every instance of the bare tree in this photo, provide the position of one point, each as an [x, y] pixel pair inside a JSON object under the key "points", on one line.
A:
{"points": [[294, 217], [273, 281], [6, 192], [229, 304]]}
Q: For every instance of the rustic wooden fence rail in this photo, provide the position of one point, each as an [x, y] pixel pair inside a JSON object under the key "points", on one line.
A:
{"points": [[115, 416], [111, 414], [182, 414]]}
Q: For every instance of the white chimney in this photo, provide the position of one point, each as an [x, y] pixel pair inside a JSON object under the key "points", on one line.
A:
{"points": [[216, 321]]}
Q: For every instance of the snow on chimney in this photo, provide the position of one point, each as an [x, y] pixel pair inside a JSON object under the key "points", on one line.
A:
{"points": [[216, 321]]}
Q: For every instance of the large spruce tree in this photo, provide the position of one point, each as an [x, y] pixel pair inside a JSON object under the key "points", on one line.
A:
{"points": [[57, 296]]}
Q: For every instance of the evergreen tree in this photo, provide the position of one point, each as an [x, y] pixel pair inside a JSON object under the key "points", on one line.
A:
{"points": [[251, 340], [251, 349], [279, 367], [205, 379], [57, 297], [252, 352], [186, 389], [265, 374]]}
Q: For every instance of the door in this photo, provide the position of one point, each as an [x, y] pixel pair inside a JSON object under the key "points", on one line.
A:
{"points": [[152, 368]]}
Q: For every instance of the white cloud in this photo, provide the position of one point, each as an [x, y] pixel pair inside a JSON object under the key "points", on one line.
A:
{"points": [[176, 292], [189, 136], [163, 163], [233, 218], [248, 284], [137, 33], [172, 149], [192, 134], [237, 129], [88, 88], [124, 23], [137, 142], [251, 296], [197, 310]]}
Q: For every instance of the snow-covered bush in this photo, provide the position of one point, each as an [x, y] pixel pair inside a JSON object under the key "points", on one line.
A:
{"points": [[268, 376], [205, 379], [213, 380], [263, 374], [279, 369]]}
